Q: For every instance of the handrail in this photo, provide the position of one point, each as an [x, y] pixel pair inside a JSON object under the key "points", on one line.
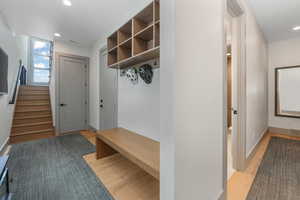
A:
{"points": [[13, 99]]}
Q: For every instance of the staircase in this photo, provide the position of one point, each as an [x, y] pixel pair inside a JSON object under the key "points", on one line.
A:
{"points": [[33, 118]]}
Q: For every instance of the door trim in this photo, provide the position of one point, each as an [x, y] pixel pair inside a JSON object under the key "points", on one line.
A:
{"points": [[237, 12], [86, 60]]}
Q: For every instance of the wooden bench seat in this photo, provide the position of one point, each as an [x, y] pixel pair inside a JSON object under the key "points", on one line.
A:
{"points": [[140, 150]]}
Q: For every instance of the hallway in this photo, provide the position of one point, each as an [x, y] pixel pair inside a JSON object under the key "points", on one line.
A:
{"points": [[240, 183]]}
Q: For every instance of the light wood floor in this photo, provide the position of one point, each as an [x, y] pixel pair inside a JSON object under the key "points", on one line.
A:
{"points": [[90, 136], [122, 178], [240, 183]]}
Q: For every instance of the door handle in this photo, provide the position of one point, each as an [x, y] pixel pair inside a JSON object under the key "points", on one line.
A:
{"points": [[62, 104], [235, 112]]}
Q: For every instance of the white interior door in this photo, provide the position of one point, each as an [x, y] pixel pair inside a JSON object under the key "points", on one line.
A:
{"points": [[108, 94], [73, 94]]}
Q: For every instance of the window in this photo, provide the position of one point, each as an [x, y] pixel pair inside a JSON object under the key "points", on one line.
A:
{"points": [[41, 61]]}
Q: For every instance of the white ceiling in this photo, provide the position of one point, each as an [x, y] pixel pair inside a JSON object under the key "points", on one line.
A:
{"points": [[84, 22], [277, 18]]}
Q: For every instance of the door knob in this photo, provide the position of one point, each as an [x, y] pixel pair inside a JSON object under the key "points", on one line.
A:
{"points": [[235, 112], [62, 104]]}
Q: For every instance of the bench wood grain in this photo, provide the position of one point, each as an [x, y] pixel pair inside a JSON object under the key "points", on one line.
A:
{"points": [[140, 150]]}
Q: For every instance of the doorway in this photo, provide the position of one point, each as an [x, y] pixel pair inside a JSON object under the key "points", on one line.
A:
{"points": [[235, 134], [108, 94], [72, 93], [230, 97]]}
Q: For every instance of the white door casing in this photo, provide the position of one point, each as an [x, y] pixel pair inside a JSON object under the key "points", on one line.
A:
{"points": [[238, 47]]}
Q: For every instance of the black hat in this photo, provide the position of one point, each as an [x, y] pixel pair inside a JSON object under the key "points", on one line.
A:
{"points": [[146, 73]]}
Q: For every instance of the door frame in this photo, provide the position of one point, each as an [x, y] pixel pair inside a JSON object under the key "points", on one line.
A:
{"points": [[237, 12], [86, 60], [103, 52]]}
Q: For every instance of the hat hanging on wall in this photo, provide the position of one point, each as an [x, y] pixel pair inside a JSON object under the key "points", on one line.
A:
{"points": [[132, 75], [146, 73], [123, 72]]}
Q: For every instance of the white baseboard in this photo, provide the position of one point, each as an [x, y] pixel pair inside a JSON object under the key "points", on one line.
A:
{"points": [[222, 195], [252, 152], [91, 128], [4, 146], [284, 131]]}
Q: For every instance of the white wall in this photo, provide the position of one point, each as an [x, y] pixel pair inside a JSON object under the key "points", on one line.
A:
{"points": [[282, 54], [23, 44], [13, 47], [138, 106], [73, 49], [192, 99], [67, 48], [257, 81]]}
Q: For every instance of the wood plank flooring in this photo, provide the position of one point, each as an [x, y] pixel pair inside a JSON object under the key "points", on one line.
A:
{"points": [[122, 178], [240, 183]]}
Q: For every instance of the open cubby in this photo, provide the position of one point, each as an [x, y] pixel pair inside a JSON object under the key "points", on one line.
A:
{"points": [[125, 50], [125, 32], [156, 11], [141, 45], [112, 41], [137, 40], [112, 57], [146, 34], [157, 35], [143, 19]]}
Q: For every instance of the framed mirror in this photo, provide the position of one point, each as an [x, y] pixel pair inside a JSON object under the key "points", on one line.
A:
{"points": [[287, 92]]}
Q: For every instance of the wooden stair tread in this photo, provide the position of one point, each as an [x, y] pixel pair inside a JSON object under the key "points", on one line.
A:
{"points": [[33, 101], [32, 117], [30, 137], [35, 88], [33, 94], [31, 110], [30, 98], [32, 132], [34, 104], [32, 124]]}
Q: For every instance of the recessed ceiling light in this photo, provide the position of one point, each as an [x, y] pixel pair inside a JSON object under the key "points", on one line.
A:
{"points": [[296, 28], [57, 35], [67, 2]]}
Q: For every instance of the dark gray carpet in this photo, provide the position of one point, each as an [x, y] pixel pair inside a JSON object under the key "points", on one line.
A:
{"points": [[53, 169], [278, 177]]}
